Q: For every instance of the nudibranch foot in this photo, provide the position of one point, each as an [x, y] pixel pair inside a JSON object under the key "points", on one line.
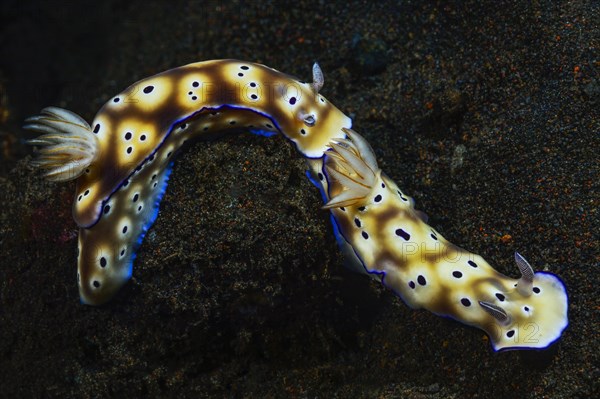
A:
{"points": [[394, 244], [67, 145]]}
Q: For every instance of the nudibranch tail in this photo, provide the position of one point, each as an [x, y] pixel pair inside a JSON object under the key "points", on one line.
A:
{"points": [[67, 145], [394, 243], [106, 252]]}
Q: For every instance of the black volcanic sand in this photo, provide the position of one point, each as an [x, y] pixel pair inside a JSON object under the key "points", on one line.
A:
{"points": [[486, 114]]}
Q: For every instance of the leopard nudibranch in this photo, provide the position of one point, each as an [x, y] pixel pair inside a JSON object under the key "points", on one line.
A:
{"points": [[380, 230], [122, 161]]}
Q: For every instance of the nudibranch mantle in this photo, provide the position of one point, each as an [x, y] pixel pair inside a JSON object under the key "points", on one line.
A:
{"points": [[392, 242], [122, 160], [135, 123]]}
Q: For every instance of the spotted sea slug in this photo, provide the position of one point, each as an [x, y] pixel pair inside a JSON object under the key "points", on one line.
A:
{"points": [[123, 160], [382, 234]]}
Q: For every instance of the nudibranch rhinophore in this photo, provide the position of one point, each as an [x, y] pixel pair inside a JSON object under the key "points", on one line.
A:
{"points": [[123, 160]]}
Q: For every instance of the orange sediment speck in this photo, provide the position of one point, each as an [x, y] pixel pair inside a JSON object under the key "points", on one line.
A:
{"points": [[506, 238]]}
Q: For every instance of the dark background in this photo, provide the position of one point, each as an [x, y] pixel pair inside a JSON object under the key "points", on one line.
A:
{"points": [[486, 113]]}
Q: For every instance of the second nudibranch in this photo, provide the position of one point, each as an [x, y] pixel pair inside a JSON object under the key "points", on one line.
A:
{"points": [[122, 161], [380, 230]]}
